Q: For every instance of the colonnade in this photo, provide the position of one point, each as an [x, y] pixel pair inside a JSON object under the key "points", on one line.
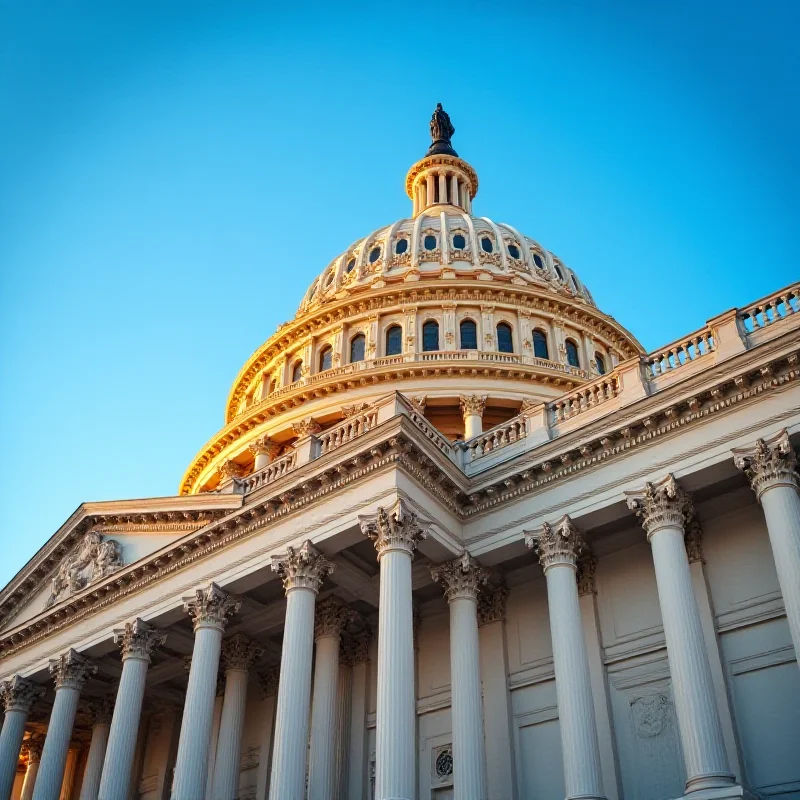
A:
{"points": [[664, 509]]}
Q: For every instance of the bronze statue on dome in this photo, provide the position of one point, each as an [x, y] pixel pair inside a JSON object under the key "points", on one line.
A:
{"points": [[442, 131]]}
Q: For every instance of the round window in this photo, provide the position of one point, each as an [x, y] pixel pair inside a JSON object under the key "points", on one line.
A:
{"points": [[350, 265], [537, 259], [401, 246], [459, 242], [374, 254], [486, 244], [513, 251], [444, 764], [430, 242]]}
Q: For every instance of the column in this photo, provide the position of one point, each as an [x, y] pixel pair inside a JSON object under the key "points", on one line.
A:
{"points": [[462, 581], [664, 508], [430, 192], [238, 656], [264, 450], [18, 696], [442, 187], [302, 572], [472, 407], [71, 672], [344, 702], [70, 770], [454, 189], [331, 617], [137, 641], [395, 534], [34, 748], [558, 547], [771, 466], [209, 608], [268, 683], [358, 658], [100, 714], [497, 727]]}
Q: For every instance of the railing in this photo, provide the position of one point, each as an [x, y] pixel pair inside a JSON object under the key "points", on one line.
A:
{"points": [[438, 439], [270, 473], [771, 309], [347, 430], [600, 391], [500, 436], [679, 353]]}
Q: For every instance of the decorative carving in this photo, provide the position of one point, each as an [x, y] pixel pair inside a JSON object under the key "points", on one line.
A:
{"points": [[264, 446], [32, 748], [306, 427], [240, 653], [462, 577], [100, 711], [472, 404], [71, 670], [587, 569], [211, 607], [357, 408], [443, 764], [354, 648], [19, 694], [138, 639], [693, 539], [560, 543], [769, 462], [229, 469], [650, 714], [419, 403], [395, 529], [492, 605], [661, 504], [268, 680], [91, 560], [331, 616], [304, 568]]}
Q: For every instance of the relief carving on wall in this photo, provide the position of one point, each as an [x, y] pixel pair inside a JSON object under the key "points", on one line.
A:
{"points": [[650, 714], [91, 560]]}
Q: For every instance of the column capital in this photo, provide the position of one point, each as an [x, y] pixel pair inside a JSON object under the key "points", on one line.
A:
{"points": [[210, 607], [587, 570], [138, 639], [354, 649], [560, 543], [462, 577], [19, 694], [100, 711], [769, 462], [302, 568], [492, 605], [661, 504], [33, 749], [268, 680], [330, 618], [395, 528], [240, 653], [71, 670], [472, 404], [264, 446], [306, 427]]}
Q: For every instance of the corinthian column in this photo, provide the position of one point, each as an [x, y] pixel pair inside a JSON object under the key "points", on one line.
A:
{"points": [[238, 656], [71, 672], [462, 581], [137, 640], [100, 713], [664, 508], [18, 696], [264, 450], [395, 534], [209, 609], [302, 572], [771, 465], [34, 748], [332, 615], [472, 409], [558, 547]]}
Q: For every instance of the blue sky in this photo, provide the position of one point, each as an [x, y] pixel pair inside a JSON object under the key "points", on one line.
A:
{"points": [[174, 175]]}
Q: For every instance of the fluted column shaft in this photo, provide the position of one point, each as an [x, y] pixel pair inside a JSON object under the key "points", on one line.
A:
{"points": [[56, 744], [323, 716], [290, 750], [229, 743], [30, 780], [94, 761], [343, 706], [10, 744]]}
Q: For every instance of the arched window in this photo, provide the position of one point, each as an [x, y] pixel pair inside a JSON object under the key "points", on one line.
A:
{"points": [[297, 371], [357, 347], [572, 354], [394, 341], [469, 334], [430, 336], [326, 359], [559, 272], [540, 345], [272, 385], [505, 343], [600, 363]]}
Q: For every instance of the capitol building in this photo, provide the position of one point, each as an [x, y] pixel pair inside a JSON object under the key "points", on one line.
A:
{"points": [[459, 537]]}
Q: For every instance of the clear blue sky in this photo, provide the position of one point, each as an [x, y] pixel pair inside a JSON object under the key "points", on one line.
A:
{"points": [[174, 174]]}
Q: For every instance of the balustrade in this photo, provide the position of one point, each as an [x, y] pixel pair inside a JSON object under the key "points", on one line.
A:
{"points": [[347, 430], [501, 435], [593, 394], [270, 473], [770, 310], [679, 353]]}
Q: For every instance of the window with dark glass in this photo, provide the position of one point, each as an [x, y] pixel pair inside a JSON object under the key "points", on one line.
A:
{"points": [[430, 336], [297, 371], [272, 386], [540, 345], [374, 254], [401, 246], [559, 272], [329, 279], [459, 242], [600, 363], [394, 341], [357, 347], [430, 242], [350, 264], [326, 359], [572, 354], [486, 244], [513, 251], [537, 259], [505, 344], [469, 335]]}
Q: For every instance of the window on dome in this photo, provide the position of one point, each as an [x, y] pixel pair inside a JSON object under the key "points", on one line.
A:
{"points": [[459, 242], [513, 251], [326, 359], [328, 279], [469, 335], [600, 363], [430, 336], [350, 265], [537, 259], [394, 341], [540, 345], [572, 354], [374, 254], [487, 244], [430, 242], [401, 246], [575, 283], [505, 343], [559, 273], [297, 371], [273, 385], [357, 347]]}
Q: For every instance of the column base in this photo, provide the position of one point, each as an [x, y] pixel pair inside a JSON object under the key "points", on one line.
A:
{"points": [[720, 793]]}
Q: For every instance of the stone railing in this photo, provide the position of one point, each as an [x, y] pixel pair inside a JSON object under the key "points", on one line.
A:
{"points": [[679, 353], [347, 430], [769, 310], [602, 390], [269, 474], [500, 436]]}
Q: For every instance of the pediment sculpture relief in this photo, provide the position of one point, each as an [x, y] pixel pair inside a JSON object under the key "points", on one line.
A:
{"points": [[89, 561]]}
